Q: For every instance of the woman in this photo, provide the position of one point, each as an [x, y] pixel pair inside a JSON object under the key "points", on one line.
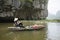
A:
{"points": [[17, 23]]}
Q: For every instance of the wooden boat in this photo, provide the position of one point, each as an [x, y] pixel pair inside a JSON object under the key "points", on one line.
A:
{"points": [[27, 28]]}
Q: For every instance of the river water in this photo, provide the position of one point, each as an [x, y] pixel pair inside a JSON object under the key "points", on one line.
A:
{"points": [[51, 32]]}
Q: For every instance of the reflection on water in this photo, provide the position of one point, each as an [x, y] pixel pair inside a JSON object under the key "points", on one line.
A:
{"points": [[51, 32]]}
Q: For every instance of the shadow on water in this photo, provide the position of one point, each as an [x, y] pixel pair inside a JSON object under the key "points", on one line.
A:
{"points": [[6, 19]]}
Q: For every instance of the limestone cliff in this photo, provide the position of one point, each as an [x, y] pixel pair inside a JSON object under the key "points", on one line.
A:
{"points": [[24, 9], [37, 9]]}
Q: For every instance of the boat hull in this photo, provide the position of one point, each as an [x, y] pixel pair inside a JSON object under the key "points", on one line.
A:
{"points": [[24, 29]]}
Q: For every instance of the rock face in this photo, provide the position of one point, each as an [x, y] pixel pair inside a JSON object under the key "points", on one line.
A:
{"points": [[34, 9], [5, 9]]}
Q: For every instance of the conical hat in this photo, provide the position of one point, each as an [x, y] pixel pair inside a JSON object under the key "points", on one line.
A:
{"points": [[15, 19]]}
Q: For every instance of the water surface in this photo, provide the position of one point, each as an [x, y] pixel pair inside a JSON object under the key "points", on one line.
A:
{"points": [[51, 32]]}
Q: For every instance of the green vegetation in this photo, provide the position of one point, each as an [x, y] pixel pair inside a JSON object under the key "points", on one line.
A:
{"points": [[40, 21], [26, 3], [53, 20], [25, 0]]}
